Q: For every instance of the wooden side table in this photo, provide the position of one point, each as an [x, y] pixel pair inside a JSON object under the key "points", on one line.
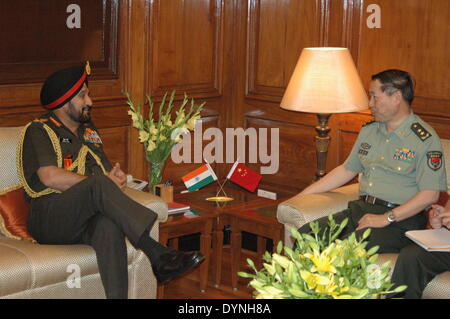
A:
{"points": [[243, 200], [259, 221], [177, 226]]}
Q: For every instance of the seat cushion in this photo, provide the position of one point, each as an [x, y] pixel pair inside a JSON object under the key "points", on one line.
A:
{"points": [[9, 137]]}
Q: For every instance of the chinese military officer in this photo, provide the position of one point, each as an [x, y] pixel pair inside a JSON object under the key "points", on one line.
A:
{"points": [[402, 168]]}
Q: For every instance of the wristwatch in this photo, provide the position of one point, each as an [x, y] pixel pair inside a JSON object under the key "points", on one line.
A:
{"points": [[390, 216]]}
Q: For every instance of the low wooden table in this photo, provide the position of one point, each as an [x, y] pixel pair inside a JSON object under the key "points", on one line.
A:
{"points": [[182, 225], [224, 214]]}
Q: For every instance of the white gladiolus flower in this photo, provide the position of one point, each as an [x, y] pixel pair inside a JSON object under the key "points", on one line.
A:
{"points": [[143, 136], [176, 133]]}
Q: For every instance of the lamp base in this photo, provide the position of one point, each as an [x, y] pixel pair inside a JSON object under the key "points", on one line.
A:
{"points": [[322, 142]]}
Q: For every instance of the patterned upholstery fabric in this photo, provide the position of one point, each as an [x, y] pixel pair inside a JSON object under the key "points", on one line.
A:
{"points": [[40, 271], [8, 141], [302, 209]]}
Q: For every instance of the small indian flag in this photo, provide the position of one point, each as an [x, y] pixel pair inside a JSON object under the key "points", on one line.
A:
{"points": [[200, 177]]}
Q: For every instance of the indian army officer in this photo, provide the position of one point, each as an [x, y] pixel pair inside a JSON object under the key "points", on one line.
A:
{"points": [[400, 158], [75, 193]]}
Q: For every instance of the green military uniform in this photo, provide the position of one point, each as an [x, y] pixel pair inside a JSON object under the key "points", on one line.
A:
{"points": [[395, 166], [82, 154], [94, 211]]}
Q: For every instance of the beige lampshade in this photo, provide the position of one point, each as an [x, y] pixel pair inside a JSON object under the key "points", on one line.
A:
{"points": [[325, 80]]}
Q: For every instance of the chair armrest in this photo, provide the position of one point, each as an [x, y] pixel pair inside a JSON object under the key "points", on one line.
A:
{"points": [[302, 209], [153, 202]]}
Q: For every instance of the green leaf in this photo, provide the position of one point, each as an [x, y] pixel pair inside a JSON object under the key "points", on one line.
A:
{"points": [[400, 289], [245, 275], [169, 108], [366, 234], [298, 293], [251, 264], [279, 247], [373, 250], [267, 257]]}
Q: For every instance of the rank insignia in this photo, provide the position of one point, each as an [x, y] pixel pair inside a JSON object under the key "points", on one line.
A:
{"points": [[366, 146], [404, 155], [420, 131], [434, 160], [88, 68], [362, 152], [92, 136]]}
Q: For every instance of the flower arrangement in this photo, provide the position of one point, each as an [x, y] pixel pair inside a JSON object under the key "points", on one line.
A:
{"points": [[322, 267], [160, 136]]}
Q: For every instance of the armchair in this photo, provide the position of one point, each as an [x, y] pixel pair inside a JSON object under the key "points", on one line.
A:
{"points": [[30, 270], [302, 209]]}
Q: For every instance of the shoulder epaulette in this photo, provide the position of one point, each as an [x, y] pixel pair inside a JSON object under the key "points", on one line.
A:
{"points": [[40, 120], [420, 131], [368, 123]]}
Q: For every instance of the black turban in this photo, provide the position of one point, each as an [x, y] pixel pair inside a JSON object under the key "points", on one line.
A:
{"points": [[63, 85]]}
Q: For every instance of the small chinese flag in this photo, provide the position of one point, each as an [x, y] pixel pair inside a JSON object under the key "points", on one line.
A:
{"points": [[244, 176]]}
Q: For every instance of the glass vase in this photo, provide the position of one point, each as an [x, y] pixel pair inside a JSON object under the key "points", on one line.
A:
{"points": [[155, 173]]}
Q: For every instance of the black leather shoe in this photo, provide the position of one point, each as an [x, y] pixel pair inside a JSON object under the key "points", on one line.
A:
{"points": [[175, 263]]}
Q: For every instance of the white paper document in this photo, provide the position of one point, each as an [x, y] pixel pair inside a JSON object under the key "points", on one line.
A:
{"points": [[431, 239]]}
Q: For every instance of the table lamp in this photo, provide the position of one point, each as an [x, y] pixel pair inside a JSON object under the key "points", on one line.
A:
{"points": [[325, 81]]}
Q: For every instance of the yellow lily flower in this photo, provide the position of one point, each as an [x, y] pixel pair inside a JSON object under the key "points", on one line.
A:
{"points": [[322, 263], [313, 280]]}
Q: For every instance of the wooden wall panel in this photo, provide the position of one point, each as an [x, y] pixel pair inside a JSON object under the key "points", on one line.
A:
{"points": [[412, 38], [115, 141], [286, 27], [42, 42], [186, 47]]}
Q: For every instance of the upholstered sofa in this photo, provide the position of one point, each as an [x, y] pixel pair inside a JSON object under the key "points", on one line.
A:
{"points": [[302, 209], [31, 270]]}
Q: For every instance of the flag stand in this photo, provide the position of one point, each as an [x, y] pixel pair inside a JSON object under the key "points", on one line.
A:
{"points": [[218, 198]]}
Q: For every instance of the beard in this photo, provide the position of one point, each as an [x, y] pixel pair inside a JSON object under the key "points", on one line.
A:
{"points": [[84, 116]]}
